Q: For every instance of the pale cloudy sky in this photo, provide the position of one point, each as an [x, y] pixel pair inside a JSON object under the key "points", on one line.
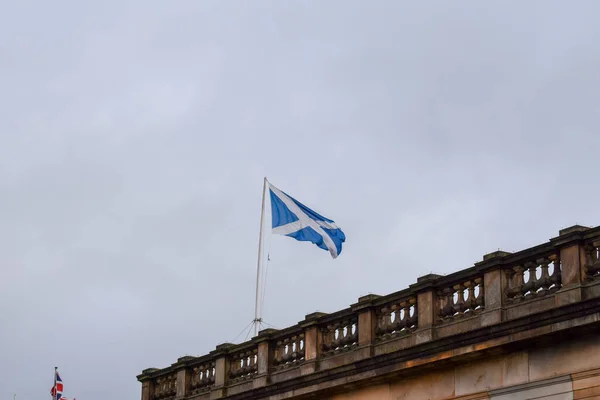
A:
{"points": [[134, 136]]}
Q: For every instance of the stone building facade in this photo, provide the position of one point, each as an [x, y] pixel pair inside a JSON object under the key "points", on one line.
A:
{"points": [[522, 325]]}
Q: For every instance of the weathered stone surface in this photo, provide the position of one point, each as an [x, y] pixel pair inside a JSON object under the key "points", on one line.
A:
{"points": [[381, 392], [491, 317], [396, 344], [433, 386], [570, 357], [530, 307], [344, 358], [183, 380], [286, 374], [147, 389], [493, 373], [366, 327], [573, 229], [308, 367], [263, 357], [554, 389], [591, 290], [217, 393], [492, 285], [426, 309], [260, 381], [516, 368], [423, 335], [311, 343], [568, 295], [221, 371], [480, 376], [570, 259], [459, 326], [241, 387]]}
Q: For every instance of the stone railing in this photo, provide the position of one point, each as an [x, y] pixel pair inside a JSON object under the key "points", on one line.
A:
{"points": [[461, 299], [504, 287], [396, 317], [202, 377], [533, 279], [243, 363], [165, 386], [288, 349], [339, 335]]}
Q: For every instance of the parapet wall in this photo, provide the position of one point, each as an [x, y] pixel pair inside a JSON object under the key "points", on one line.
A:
{"points": [[503, 296]]}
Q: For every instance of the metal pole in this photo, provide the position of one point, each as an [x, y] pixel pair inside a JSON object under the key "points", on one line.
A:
{"points": [[55, 388], [257, 317]]}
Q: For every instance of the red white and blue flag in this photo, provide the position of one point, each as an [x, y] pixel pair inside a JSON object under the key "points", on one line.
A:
{"points": [[57, 390]]}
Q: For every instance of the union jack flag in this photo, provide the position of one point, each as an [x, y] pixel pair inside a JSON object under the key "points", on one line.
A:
{"points": [[57, 390]]}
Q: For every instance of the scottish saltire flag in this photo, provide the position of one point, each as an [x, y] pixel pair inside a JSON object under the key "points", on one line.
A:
{"points": [[57, 390], [292, 218]]}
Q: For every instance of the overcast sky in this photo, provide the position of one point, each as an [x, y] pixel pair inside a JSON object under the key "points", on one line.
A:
{"points": [[134, 136]]}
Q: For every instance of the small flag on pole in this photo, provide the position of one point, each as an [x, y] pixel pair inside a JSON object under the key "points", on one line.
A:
{"points": [[57, 389], [292, 218]]}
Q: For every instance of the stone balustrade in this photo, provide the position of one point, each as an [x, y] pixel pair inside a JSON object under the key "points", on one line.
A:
{"points": [[203, 377], [533, 279], [339, 335], [395, 318], [289, 350], [502, 288], [165, 386], [461, 299], [243, 364]]}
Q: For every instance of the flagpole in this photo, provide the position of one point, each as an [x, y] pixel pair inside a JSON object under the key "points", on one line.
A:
{"points": [[55, 389], [257, 317]]}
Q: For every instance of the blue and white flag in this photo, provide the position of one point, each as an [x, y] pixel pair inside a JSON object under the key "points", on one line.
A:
{"points": [[292, 218]]}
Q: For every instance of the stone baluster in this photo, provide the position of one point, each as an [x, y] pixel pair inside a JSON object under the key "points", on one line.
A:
{"points": [[530, 288], [556, 277], [399, 316], [385, 320], [448, 309], [339, 335], [472, 298], [517, 281], [544, 282], [460, 305]]}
